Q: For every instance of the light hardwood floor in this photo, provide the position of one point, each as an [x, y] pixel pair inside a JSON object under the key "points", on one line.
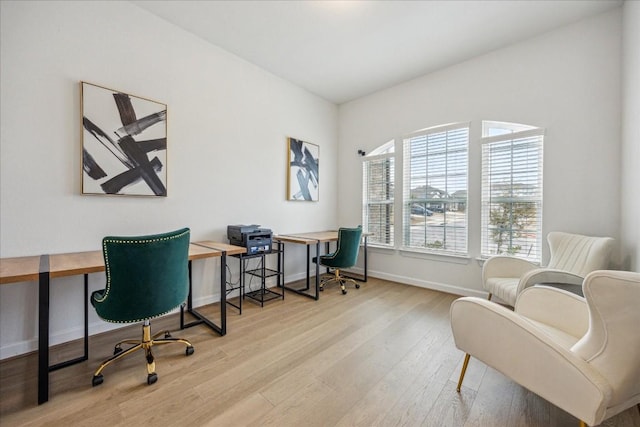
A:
{"points": [[382, 355]]}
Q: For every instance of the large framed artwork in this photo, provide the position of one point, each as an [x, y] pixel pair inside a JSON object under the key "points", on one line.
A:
{"points": [[302, 173], [124, 143]]}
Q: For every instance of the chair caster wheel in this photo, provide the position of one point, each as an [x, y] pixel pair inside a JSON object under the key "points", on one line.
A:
{"points": [[167, 334], [97, 380], [117, 349], [357, 286], [321, 289], [190, 350], [344, 292], [152, 378]]}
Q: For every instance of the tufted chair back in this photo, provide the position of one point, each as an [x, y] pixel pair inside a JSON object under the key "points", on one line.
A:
{"points": [[579, 254]]}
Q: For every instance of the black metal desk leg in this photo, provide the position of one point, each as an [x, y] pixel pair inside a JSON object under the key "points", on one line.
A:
{"points": [[43, 330], [327, 248], [317, 270], [308, 266], [365, 258], [281, 265], [223, 293], [189, 299], [86, 317]]}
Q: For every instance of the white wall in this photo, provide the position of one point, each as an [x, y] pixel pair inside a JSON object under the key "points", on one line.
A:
{"points": [[566, 81], [630, 188], [228, 122]]}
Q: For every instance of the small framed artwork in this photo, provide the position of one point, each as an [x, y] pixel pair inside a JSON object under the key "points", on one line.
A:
{"points": [[124, 143], [302, 173]]}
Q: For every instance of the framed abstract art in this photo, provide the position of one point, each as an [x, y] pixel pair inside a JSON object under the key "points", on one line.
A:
{"points": [[124, 143], [302, 173]]}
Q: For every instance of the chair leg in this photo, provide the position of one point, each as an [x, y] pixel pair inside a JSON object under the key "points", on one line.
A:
{"points": [[115, 357], [332, 277], [489, 297], [145, 344], [583, 424], [464, 370]]}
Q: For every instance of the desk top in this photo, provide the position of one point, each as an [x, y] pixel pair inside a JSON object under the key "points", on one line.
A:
{"points": [[229, 249], [25, 269], [295, 239], [70, 264], [312, 237], [321, 236], [19, 269]]}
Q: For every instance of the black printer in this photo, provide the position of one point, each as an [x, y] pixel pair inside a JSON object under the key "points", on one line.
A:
{"points": [[252, 237]]}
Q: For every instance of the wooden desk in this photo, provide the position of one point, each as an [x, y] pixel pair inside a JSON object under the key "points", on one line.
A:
{"points": [[45, 267], [206, 249], [308, 243], [315, 238]]}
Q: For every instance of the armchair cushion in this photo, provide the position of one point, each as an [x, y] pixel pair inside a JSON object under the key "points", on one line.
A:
{"points": [[572, 257]]}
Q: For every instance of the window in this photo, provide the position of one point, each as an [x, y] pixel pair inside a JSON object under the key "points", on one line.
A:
{"points": [[512, 190], [434, 199], [378, 179]]}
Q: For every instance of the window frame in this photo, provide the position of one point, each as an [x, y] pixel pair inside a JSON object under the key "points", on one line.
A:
{"points": [[427, 202], [519, 205], [381, 154]]}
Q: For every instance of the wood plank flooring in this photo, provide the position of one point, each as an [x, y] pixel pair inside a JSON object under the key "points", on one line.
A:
{"points": [[382, 355]]}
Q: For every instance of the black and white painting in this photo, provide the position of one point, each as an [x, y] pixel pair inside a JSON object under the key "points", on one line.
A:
{"points": [[302, 177], [124, 143]]}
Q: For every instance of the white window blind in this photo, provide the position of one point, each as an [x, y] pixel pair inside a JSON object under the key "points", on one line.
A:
{"points": [[435, 179], [378, 182], [512, 193]]}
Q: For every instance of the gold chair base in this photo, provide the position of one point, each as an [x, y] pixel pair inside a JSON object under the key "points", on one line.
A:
{"points": [[145, 344], [342, 280]]}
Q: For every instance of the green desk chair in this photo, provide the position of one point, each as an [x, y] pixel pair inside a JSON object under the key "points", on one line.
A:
{"points": [[345, 256], [147, 277]]}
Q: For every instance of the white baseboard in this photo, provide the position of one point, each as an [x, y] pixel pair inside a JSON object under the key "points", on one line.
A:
{"points": [[27, 346], [442, 287]]}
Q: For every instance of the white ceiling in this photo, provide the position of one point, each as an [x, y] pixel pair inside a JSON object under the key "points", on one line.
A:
{"points": [[342, 50]]}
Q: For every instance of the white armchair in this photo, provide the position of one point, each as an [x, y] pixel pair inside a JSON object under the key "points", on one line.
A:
{"points": [[580, 354], [573, 256]]}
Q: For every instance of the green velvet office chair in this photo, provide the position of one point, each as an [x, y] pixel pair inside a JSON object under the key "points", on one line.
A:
{"points": [[345, 256], [147, 277]]}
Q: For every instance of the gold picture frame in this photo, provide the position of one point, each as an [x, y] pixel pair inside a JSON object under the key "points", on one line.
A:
{"points": [[124, 143]]}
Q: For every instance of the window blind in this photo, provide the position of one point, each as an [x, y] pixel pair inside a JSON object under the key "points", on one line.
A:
{"points": [[512, 194], [378, 215], [435, 179]]}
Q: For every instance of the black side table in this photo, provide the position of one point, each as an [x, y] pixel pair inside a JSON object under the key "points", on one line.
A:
{"points": [[263, 294]]}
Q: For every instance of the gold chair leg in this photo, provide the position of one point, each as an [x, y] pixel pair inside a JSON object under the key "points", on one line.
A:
{"points": [[145, 344], [583, 424], [464, 370]]}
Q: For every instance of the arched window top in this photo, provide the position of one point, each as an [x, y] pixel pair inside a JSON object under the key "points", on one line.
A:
{"points": [[495, 128], [386, 148]]}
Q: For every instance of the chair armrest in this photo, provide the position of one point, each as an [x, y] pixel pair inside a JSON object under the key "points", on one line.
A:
{"points": [[548, 275], [515, 347], [505, 266], [558, 308]]}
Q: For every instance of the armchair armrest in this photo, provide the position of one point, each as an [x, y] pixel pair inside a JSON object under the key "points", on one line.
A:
{"points": [[560, 309], [505, 266], [548, 275], [511, 344]]}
